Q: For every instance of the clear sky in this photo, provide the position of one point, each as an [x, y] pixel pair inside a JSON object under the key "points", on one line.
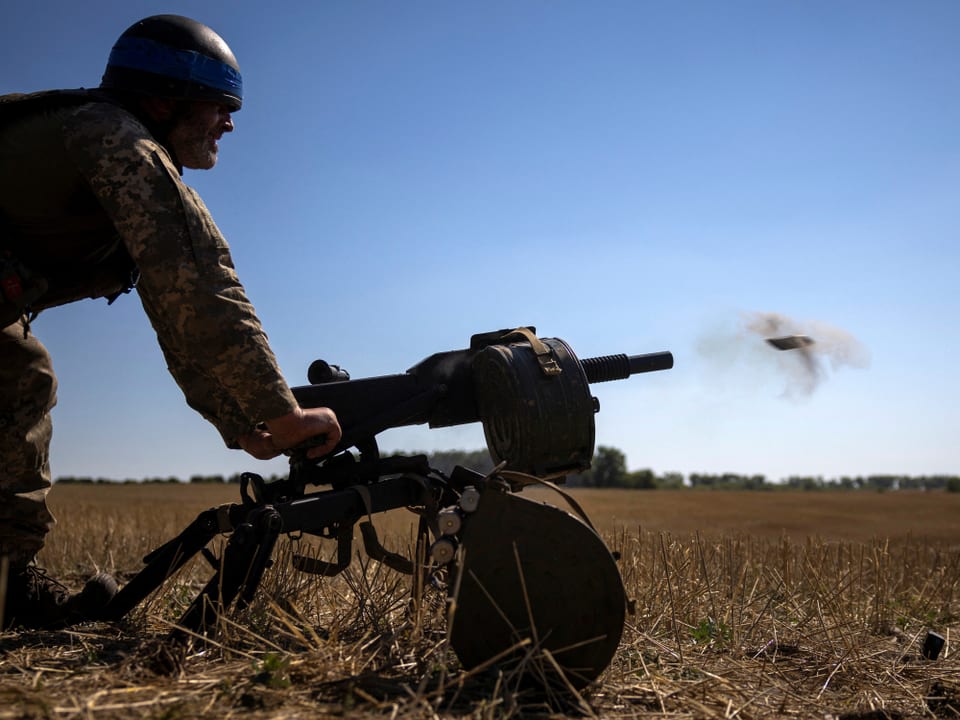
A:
{"points": [[628, 176]]}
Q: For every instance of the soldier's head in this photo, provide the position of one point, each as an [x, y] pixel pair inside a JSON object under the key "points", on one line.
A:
{"points": [[184, 77]]}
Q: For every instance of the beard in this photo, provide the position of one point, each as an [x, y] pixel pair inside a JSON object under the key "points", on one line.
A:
{"points": [[194, 143]]}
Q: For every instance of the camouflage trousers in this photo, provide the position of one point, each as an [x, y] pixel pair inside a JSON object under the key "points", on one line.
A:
{"points": [[28, 391]]}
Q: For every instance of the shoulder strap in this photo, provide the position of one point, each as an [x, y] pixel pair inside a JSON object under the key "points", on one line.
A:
{"points": [[17, 105]]}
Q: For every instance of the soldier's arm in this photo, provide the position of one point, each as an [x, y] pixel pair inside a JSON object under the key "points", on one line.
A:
{"points": [[213, 341]]}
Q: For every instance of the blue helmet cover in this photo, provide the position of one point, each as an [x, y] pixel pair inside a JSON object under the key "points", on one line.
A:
{"points": [[144, 54]]}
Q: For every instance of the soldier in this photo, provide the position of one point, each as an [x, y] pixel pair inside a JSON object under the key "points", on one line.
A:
{"points": [[92, 204]]}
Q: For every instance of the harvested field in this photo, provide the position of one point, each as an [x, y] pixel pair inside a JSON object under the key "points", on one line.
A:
{"points": [[749, 605]]}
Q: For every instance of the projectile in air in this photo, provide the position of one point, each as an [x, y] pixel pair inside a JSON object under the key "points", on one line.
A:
{"points": [[791, 342]]}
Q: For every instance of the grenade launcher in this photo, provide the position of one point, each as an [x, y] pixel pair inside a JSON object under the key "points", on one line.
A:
{"points": [[532, 396]]}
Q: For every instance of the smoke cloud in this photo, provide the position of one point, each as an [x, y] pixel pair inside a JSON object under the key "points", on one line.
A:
{"points": [[803, 369], [806, 368]]}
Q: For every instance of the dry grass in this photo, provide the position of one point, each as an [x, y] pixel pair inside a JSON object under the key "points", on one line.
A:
{"points": [[749, 605]]}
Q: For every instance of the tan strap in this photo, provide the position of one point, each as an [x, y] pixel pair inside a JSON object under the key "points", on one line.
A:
{"points": [[548, 363]]}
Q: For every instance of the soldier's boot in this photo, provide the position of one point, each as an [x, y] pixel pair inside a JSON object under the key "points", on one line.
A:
{"points": [[35, 600]]}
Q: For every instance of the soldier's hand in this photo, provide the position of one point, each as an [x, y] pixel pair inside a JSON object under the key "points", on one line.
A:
{"points": [[259, 443], [295, 428]]}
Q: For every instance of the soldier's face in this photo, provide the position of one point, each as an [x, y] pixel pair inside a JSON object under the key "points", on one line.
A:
{"points": [[194, 138]]}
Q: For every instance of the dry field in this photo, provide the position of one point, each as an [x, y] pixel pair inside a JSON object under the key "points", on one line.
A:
{"points": [[749, 605]]}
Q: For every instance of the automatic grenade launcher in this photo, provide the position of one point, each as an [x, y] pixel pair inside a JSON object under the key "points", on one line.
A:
{"points": [[523, 576]]}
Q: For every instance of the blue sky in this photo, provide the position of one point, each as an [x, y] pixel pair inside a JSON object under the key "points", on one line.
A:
{"points": [[627, 176]]}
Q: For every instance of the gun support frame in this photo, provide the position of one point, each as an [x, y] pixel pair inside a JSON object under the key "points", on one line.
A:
{"points": [[254, 529]]}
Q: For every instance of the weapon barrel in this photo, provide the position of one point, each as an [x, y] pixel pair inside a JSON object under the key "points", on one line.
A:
{"points": [[620, 367]]}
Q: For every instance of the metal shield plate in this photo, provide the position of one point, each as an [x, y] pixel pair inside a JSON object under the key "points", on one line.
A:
{"points": [[534, 577]]}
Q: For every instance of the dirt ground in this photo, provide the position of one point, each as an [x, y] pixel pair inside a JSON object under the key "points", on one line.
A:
{"points": [[749, 605]]}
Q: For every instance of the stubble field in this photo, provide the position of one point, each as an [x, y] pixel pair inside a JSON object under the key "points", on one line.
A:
{"points": [[749, 605]]}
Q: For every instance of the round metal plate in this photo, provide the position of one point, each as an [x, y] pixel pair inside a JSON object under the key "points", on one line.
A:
{"points": [[532, 573]]}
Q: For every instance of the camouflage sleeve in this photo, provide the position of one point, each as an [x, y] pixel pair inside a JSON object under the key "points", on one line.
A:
{"points": [[214, 344]]}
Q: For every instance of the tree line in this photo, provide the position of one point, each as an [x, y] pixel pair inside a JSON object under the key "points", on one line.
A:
{"points": [[609, 470]]}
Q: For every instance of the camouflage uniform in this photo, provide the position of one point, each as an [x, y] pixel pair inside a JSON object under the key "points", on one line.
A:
{"points": [[95, 166]]}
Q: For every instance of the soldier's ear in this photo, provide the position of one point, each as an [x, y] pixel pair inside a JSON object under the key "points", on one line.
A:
{"points": [[159, 109]]}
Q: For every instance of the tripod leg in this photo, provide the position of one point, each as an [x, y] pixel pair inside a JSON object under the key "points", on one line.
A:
{"points": [[164, 562], [242, 565]]}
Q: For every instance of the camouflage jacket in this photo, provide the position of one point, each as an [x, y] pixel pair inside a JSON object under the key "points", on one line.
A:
{"points": [[213, 342]]}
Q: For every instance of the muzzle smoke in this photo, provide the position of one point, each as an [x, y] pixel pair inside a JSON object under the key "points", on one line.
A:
{"points": [[807, 367], [804, 368]]}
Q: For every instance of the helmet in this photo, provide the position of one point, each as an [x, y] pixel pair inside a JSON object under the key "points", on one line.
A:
{"points": [[175, 57]]}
